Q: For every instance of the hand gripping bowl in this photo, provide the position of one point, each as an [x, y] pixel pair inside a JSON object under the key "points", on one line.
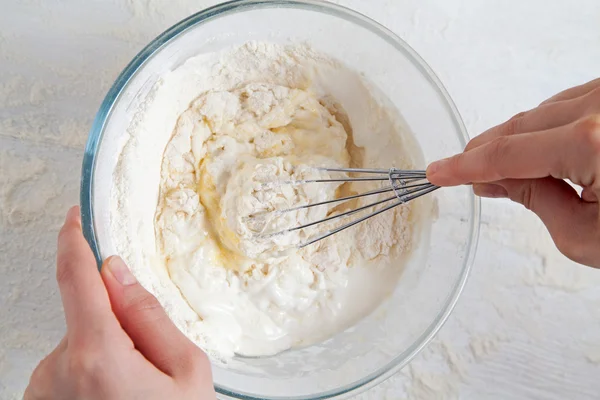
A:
{"points": [[385, 341]]}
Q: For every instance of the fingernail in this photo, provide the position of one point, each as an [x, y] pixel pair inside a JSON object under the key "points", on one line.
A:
{"points": [[491, 191], [435, 166], [74, 215], [120, 271]]}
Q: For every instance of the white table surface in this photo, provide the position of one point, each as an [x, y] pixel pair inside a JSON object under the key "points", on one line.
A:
{"points": [[528, 323]]}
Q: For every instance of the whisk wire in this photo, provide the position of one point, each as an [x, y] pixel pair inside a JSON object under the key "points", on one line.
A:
{"points": [[403, 183], [346, 226]]}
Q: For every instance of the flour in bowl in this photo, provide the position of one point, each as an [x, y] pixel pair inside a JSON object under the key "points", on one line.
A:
{"points": [[217, 136]]}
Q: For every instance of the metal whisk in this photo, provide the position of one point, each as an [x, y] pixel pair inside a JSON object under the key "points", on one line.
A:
{"points": [[404, 186]]}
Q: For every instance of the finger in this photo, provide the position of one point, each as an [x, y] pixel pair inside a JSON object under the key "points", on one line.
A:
{"points": [[517, 156], [85, 301], [569, 220], [508, 128], [565, 152], [147, 324], [589, 195], [556, 114], [544, 117], [574, 92], [490, 190]]}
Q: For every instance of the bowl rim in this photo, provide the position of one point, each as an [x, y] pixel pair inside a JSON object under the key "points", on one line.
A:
{"points": [[236, 6]]}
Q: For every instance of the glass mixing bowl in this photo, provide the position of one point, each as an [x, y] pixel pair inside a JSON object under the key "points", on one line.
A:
{"points": [[434, 276]]}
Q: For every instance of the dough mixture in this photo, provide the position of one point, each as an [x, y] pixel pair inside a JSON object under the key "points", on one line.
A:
{"points": [[227, 128]]}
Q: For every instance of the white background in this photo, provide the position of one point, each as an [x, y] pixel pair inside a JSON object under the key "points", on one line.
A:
{"points": [[528, 323]]}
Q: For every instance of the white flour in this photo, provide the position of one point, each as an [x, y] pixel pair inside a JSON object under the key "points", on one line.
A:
{"points": [[265, 114]]}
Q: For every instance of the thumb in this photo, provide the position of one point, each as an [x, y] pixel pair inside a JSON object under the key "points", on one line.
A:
{"points": [[569, 220], [144, 320]]}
